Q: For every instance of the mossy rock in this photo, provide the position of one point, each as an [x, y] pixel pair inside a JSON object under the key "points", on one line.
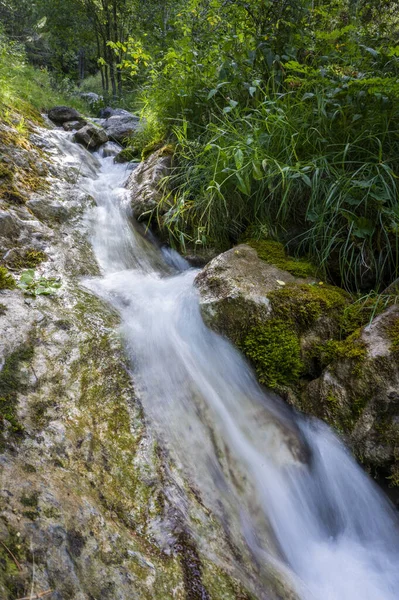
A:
{"points": [[25, 258]]}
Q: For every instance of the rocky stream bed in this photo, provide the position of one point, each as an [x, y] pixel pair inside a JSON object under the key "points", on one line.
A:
{"points": [[94, 505]]}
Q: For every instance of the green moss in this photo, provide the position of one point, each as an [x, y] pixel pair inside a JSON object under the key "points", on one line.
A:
{"points": [[27, 259], [274, 350], [393, 335], [3, 309], [10, 385], [360, 312], [13, 551], [273, 253], [7, 281], [151, 148], [30, 500], [11, 194], [305, 303], [352, 348], [5, 172]]}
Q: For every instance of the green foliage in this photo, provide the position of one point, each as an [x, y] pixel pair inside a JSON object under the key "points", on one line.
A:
{"points": [[26, 89], [274, 350], [7, 281], [41, 286]]}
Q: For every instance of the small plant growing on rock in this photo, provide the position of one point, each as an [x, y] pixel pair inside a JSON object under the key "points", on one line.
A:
{"points": [[42, 286]]}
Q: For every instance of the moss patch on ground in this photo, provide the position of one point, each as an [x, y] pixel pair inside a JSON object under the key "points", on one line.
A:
{"points": [[27, 258], [7, 281]]}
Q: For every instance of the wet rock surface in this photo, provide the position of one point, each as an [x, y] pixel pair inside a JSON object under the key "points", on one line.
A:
{"points": [[291, 330], [91, 137], [146, 185], [362, 400], [90, 506]]}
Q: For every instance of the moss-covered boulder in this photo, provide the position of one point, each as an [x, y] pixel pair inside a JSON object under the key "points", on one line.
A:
{"points": [[359, 396], [234, 289], [312, 343]]}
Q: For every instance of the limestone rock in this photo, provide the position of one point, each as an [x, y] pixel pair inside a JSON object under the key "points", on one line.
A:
{"points": [[91, 137], [62, 114], [145, 185], [362, 401], [10, 226], [234, 289]]}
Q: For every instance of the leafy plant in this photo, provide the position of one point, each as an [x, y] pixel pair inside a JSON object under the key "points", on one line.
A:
{"points": [[41, 286]]}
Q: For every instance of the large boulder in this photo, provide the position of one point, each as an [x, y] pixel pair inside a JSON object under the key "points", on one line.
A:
{"points": [[62, 114], [146, 185], [313, 345], [121, 127], [91, 137], [234, 290]]}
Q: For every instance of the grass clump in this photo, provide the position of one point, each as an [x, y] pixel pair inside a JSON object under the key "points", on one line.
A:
{"points": [[275, 352], [7, 281]]}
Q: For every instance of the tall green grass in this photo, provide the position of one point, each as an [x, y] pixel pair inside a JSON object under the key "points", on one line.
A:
{"points": [[318, 172]]}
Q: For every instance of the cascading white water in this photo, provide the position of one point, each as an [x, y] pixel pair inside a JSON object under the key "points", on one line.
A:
{"points": [[289, 487]]}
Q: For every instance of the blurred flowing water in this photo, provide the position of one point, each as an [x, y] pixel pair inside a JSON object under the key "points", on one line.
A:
{"points": [[289, 489]]}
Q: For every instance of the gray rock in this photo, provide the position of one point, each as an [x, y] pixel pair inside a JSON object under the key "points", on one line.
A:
{"points": [[91, 97], [91, 137], [10, 226], [48, 210], [62, 114], [362, 400], [121, 127], [110, 149], [146, 187], [234, 289], [107, 112], [74, 125]]}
